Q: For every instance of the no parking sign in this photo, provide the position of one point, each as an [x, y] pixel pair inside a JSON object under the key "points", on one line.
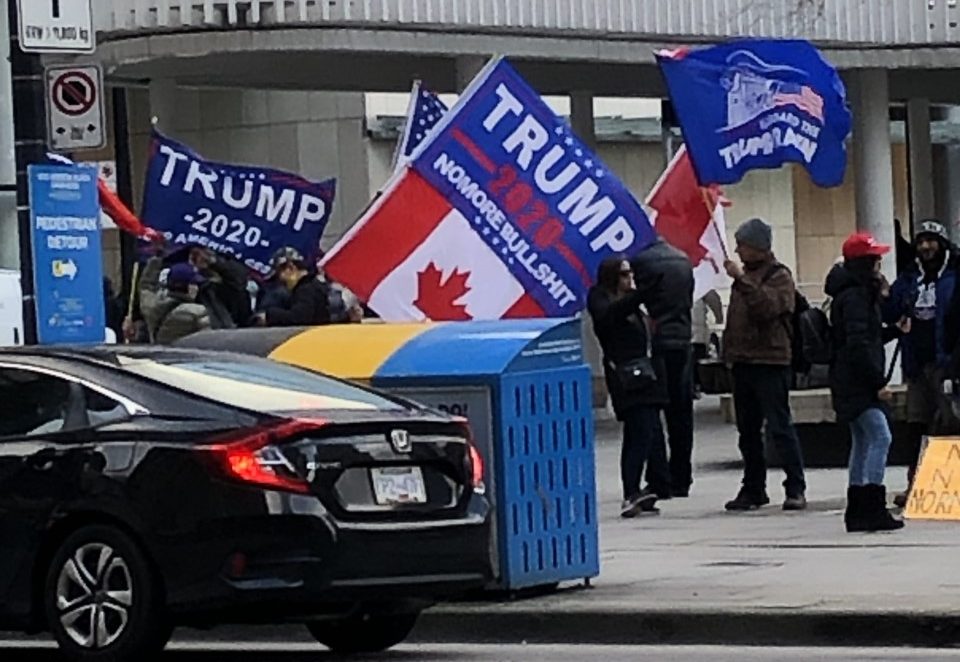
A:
{"points": [[75, 108]]}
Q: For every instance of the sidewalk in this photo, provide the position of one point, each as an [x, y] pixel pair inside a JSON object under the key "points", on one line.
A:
{"points": [[697, 573]]}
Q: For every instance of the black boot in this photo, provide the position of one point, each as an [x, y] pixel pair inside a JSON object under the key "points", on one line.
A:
{"points": [[876, 515], [855, 516]]}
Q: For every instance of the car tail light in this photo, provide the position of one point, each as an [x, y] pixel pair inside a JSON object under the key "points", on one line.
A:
{"points": [[254, 457], [476, 469]]}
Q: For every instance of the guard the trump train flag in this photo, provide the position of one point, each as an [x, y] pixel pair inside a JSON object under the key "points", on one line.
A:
{"points": [[756, 103]]}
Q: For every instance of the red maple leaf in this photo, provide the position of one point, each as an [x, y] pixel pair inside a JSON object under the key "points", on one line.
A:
{"points": [[436, 297]]}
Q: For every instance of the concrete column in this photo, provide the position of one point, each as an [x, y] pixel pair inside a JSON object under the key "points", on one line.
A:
{"points": [[873, 160], [163, 104], [951, 196], [467, 68], [582, 118], [920, 156], [948, 173]]}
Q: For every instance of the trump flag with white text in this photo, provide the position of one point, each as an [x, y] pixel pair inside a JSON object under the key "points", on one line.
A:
{"points": [[503, 212]]}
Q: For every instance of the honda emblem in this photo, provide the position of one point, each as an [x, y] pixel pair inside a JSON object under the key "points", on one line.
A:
{"points": [[400, 440]]}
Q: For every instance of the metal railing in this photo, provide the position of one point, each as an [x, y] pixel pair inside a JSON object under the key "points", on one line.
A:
{"points": [[853, 22]]}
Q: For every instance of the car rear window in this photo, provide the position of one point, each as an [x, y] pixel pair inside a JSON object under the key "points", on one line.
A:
{"points": [[256, 384]]}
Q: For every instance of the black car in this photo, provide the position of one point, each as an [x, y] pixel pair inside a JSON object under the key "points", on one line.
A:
{"points": [[146, 488]]}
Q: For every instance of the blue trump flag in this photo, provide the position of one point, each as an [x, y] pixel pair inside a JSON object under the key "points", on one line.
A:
{"points": [[425, 112], [244, 212], [533, 192], [751, 104]]}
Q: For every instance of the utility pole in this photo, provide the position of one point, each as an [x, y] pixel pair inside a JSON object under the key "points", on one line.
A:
{"points": [[29, 122]]}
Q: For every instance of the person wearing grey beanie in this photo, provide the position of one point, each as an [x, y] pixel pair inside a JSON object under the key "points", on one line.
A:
{"points": [[757, 343], [756, 234]]}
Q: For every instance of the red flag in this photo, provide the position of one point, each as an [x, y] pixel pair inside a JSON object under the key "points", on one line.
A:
{"points": [[690, 218], [125, 219], [113, 206]]}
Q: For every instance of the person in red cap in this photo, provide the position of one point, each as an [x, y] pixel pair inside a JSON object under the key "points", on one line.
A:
{"points": [[858, 380]]}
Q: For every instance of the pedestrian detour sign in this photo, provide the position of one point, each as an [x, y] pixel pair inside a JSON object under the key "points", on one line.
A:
{"points": [[67, 269], [75, 107], [936, 487]]}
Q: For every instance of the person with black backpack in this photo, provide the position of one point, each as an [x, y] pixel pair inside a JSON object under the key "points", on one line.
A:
{"points": [[758, 344], [858, 378]]}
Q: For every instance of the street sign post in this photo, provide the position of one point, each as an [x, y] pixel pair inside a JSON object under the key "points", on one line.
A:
{"points": [[75, 107], [68, 273], [56, 26]]}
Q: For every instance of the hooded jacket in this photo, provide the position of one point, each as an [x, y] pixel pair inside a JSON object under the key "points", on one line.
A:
{"points": [[903, 296], [858, 370], [179, 317], [664, 279]]}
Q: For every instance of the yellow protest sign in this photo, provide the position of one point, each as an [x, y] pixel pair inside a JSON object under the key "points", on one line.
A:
{"points": [[936, 487]]}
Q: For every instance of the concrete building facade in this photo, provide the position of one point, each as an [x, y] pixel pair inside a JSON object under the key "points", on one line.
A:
{"points": [[299, 84]]}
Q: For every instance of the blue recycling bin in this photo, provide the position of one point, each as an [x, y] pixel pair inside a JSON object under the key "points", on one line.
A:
{"points": [[526, 391]]}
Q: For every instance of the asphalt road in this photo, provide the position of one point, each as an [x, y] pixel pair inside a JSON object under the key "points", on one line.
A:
{"points": [[249, 652]]}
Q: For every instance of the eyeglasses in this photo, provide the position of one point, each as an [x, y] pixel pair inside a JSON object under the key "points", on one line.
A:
{"points": [[626, 273]]}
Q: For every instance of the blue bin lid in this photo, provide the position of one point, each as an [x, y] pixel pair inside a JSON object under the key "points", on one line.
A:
{"points": [[486, 348]]}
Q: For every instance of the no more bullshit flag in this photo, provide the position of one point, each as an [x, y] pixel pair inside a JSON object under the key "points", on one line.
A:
{"points": [[503, 212]]}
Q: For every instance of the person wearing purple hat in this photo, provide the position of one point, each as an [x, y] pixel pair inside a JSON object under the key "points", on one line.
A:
{"points": [[179, 314]]}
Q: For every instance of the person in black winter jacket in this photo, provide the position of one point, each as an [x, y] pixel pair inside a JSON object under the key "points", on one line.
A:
{"points": [[664, 278], [858, 380], [614, 306], [309, 298]]}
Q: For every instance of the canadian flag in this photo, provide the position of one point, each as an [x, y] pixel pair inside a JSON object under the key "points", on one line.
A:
{"points": [[690, 217], [415, 257]]}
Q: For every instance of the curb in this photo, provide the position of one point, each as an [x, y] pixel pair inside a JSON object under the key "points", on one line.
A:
{"points": [[747, 628], [508, 625]]}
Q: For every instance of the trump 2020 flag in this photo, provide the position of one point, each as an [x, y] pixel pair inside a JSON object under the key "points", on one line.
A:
{"points": [[691, 219], [750, 104], [241, 211], [502, 212], [424, 113]]}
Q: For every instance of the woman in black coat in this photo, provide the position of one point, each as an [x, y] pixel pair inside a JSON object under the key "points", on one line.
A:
{"points": [[858, 380], [614, 306]]}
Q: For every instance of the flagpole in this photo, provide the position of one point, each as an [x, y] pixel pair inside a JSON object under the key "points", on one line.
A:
{"points": [[713, 223]]}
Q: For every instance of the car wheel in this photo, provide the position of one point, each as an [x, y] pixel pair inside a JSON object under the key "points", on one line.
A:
{"points": [[101, 599], [363, 633]]}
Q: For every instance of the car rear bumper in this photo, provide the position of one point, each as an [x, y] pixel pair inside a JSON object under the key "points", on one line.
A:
{"points": [[294, 567]]}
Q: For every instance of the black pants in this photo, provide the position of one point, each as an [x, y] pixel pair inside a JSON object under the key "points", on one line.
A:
{"points": [[679, 415], [642, 444], [761, 394]]}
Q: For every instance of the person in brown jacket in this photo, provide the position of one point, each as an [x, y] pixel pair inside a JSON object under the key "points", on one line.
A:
{"points": [[757, 343]]}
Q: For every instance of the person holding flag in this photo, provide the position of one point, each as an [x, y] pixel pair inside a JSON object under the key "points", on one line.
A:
{"points": [[757, 343]]}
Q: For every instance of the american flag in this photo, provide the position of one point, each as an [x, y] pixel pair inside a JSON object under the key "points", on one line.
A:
{"points": [[425, 111], [803, 97]]}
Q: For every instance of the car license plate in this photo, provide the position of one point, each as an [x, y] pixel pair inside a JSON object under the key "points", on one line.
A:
{"points": [[398, 485]]}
